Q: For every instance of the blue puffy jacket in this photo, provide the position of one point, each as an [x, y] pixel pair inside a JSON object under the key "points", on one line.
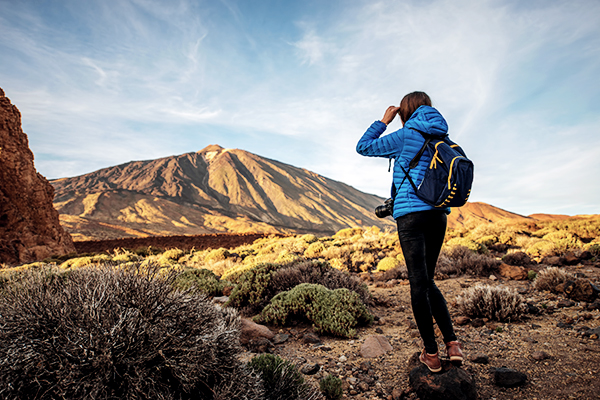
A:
{"points": [[402, 146]]}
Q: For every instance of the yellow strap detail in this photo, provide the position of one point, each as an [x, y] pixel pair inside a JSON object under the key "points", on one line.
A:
{"points": [[450, 172], [454, 145], [435, 158]]}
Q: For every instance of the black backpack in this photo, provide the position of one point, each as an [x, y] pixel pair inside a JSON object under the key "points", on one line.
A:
{"points": [[449, 176]]}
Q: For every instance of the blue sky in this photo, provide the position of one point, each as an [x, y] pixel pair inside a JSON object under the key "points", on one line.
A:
{"points": [[103, 82]]}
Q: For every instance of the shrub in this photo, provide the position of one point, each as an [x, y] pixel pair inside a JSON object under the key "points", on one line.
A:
{"points": [[317, 272], [314, 250], [489, 240], [531, 274], [469, 244], [199, 280], [219, 254], [549, 278], [309, 238], [252, 287], [460, 260], [542, 248], [336, 312], [79, 262], [331, 387], [518, 258], [388, 263], [126, 257], [170, 257], [348, 233], [494, 302], [281, 379], [113, 333], [593, 248], [563, 241]]}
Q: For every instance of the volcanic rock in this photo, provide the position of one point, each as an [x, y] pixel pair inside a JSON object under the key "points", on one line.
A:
{"points": [[29, 225], [375, 346]]}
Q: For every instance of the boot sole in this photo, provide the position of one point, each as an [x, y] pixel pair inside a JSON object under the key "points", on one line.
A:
{"points": [[431, 369]]}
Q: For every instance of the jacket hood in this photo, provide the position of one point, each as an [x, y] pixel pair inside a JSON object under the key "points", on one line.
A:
{"points": [[429, 120]]}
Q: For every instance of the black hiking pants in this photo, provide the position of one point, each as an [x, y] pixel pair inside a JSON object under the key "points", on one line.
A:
{"points": [[421, 237]]}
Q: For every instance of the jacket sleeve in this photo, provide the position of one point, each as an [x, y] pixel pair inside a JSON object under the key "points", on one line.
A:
{"points": [[372, 145]]}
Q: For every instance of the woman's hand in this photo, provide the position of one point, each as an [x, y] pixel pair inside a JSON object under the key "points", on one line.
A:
{"points": [[390, 114]]}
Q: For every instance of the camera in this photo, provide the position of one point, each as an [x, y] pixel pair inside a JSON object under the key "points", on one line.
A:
{"points": [[386, 209]]}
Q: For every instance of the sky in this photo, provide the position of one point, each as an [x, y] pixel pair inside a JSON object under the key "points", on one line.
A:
{"points": [[104, 82]]}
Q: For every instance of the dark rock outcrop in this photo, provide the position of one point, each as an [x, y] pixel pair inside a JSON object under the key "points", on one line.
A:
{"points": [[29, 225], [452, 383]]}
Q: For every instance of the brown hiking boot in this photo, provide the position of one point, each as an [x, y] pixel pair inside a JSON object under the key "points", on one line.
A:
{"points": [[454, 351], [431, 360]]}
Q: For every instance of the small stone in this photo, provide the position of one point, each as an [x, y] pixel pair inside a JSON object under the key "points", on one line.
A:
{"points": [[310, 369], [375, 346], [396, 394], [493, 278], [343, 358], [477, 322], [540, 355], [221, 299], [363, 386], [311, 338], [507, 377], [479, 358], [280, 338], [379, 330], [462, 320], [565, 303], [352, 380]]}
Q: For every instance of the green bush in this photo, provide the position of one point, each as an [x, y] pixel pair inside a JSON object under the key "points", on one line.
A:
{"points": [[348, 233], [170, 257], [337, 312], [200, 280], [494, 302], [281, 379], [542, 248], [488, 240], [309, 238], [85, 261], [252, 287], [331, 387], [563, 241]]}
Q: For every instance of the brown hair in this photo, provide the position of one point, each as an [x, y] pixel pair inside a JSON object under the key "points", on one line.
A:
{"points": [[411, 102]]}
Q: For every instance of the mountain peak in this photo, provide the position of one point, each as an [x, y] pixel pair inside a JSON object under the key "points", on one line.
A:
{"points": [[211, 151]]}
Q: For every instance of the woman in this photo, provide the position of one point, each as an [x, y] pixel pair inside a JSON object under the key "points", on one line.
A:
{"points": [[421, 227]]}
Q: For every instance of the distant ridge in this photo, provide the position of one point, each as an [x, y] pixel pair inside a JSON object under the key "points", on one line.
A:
{"points": [[217, 190]]}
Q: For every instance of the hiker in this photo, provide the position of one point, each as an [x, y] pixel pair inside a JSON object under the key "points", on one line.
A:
{"points": [[421, 227]]}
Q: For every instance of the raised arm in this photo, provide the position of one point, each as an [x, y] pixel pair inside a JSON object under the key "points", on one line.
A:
{"points": [[372, 145]]}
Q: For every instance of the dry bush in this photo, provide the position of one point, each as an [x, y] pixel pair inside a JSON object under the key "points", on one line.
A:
{"points": [[170, 257], [114, 333], [348, 233], [460, 260], [494, 302], [517, 258], [399, 272], [314, 250], [550, 278], [388, 263], [79, 262], [563, 241], [542, 248]]}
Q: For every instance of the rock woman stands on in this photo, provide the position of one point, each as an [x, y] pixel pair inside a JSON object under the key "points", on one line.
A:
{"points": [[421, 227]]}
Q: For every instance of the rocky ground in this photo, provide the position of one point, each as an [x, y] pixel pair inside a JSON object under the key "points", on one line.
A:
{"points": [[557, 349]]}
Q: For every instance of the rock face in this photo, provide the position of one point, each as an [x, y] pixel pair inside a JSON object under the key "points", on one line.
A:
{"points": [[29, 225]]}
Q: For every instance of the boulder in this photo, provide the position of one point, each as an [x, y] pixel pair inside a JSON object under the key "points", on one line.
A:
{"points": [[29, 226], [512, 272], [252, 331], [375, 346], [580, 290], [452, 383]]}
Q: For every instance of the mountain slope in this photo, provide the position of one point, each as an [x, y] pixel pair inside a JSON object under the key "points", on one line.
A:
{"points": [[213, 190]]}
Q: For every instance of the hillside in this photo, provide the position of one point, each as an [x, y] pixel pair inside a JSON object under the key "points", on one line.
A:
{"points": [[219, 190], [210, 191]]}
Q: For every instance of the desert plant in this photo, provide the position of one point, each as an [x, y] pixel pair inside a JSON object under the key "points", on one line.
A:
{"points": [[331, 387], [563, 241], [113, 333], [388, 263], [219, 254], [252, 287], [200, 280], [348, 233], [170, 257], [469, 244], [281, 379], [314, 250], [309, 238], [79, 262], [541, 248], [318, 272], [517, 258], [459, 260], [549, 278], [494, 302], [337, 312]]}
